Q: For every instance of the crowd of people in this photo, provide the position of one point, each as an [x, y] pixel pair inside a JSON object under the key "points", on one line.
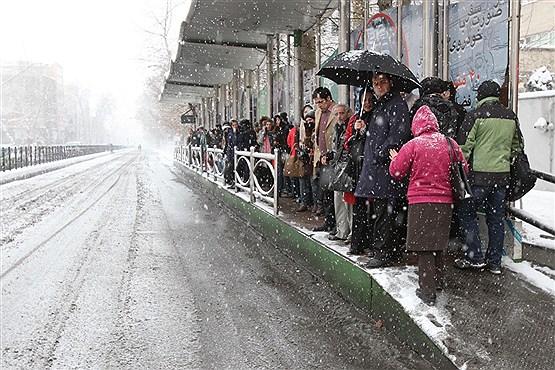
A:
{"points": [[396, 150]]}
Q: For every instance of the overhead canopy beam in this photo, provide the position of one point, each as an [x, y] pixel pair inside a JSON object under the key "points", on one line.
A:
{"points": [[198, 74], [221, 35], [223, 56], [183, 93]]}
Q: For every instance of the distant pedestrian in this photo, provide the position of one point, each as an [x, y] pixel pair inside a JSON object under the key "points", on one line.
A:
{"points": [[231, 141], [281, 130], [426, 158], [261, 133], [308, 195]]}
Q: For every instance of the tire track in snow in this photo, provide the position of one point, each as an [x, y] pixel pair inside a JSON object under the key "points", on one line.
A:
{"points": [[118, 171]]}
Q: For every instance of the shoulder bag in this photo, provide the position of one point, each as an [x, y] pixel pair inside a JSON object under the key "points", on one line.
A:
{"points": [[342, 174], [460, 187], [522, 179], [294, 166]]}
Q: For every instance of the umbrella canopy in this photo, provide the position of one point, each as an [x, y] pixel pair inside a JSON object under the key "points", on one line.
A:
{"points": [[356, 67]]}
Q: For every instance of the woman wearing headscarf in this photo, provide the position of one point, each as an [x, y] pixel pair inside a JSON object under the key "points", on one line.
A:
{"points": [[354, 143], [427, 159]]}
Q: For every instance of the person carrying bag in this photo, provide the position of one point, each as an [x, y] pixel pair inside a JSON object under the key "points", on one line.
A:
{"points": [[425, 160], [294, 165]]}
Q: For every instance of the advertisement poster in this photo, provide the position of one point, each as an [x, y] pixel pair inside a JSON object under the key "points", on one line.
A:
{"points": [[478, 46], [478, 42], [382, 36]]}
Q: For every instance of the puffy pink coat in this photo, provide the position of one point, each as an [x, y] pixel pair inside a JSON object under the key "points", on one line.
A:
{"points": [[426, 158]]}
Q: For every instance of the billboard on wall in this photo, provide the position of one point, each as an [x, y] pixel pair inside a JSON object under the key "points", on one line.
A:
{"points": [[478, 46], [382, 36], [478, 41]]}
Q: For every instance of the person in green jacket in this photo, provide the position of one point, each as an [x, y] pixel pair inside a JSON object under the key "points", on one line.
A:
{"points": [[488, 139]]}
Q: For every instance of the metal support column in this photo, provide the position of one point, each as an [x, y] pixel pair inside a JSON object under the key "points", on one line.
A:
{"points": [[298, 88], [428, 44], [344, 43], [444, 41], [209, 112], [288, 77], [217, 112], [223, 99], [248, 95], [366, 19], [257, 92], [269, 75], [399, 31], [202, 114], [205, 113], [234, 94], [318, 42], [514, 24]]}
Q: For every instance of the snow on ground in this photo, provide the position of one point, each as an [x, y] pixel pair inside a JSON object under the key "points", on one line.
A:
{"points": [[399, 282], [26, 172], [542, 205]]}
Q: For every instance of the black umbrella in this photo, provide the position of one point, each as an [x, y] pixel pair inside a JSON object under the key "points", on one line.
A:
{"points": [[356, 67]]}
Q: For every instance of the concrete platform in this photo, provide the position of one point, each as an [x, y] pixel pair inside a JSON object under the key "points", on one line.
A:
{"points": [[499, 322], [481, 321]]}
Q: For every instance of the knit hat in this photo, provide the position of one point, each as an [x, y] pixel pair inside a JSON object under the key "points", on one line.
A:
{"points": [[433, 85], [488, 88]]}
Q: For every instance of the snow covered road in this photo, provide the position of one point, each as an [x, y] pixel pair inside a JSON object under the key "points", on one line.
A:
{"points": [[117, 262]]}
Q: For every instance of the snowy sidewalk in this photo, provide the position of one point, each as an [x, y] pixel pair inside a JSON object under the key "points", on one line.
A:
{"points": [[481, 321]]}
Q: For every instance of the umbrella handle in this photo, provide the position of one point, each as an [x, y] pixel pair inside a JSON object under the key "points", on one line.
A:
{"points": [[362, 103], [363, 99]]}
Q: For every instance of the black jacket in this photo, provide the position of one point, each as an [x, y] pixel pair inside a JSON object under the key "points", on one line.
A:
{"points": [[445, 111], [389, 128]]}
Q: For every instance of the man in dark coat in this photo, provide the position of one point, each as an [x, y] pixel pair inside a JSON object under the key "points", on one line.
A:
{"points": [[388, 128], [434, 94], [232, 140]]}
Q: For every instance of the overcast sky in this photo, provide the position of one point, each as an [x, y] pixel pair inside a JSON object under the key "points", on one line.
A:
{"points": [[98, 43]]}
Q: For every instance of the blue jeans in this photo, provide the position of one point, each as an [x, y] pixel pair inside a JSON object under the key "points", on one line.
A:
{"points": [[493, 198]]}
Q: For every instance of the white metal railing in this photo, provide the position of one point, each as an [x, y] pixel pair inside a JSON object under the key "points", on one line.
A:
{"points": [[248, 166], [215, 163], [253, 185]]}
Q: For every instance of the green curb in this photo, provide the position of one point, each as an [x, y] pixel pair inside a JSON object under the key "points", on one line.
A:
{"points": [[347, 278]]}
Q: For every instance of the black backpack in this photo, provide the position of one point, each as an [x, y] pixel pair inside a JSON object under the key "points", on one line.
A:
{"points": [[444, 110]]}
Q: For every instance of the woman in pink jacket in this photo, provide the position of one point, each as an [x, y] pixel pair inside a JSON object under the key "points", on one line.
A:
{"points": [[426, 158]]}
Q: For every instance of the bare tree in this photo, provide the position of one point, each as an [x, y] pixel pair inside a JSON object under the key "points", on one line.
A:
{"points": [[160, 120]]}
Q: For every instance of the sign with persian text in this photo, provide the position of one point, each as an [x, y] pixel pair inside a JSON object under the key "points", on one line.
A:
{"points": [[478, 46]]}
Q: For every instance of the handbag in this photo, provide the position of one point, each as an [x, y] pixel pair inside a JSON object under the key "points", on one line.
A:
{"points": [[460, 187], [356, 153], [522, 179], [341, 177], [294, 167]]}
